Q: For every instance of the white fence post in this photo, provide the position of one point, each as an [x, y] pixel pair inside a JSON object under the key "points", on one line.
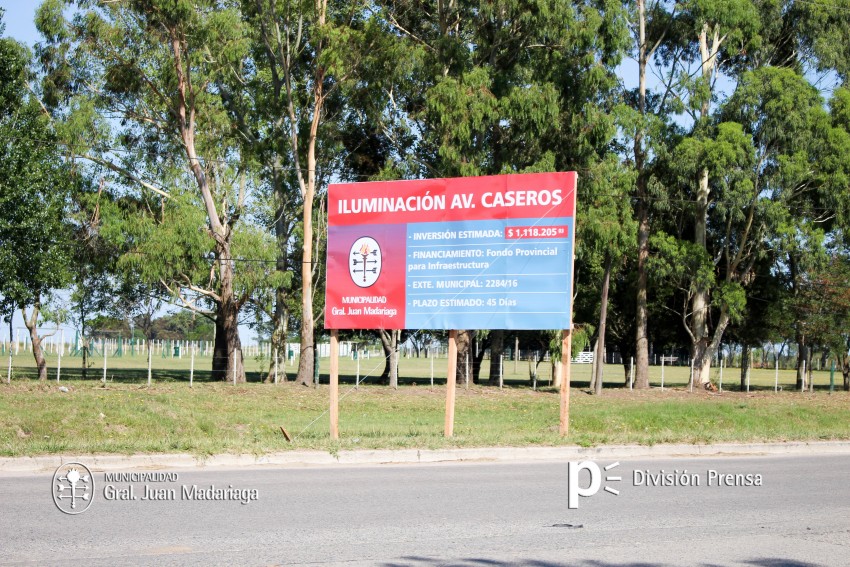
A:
{"points": [[59, 355], [662, 372], [776, 377]]}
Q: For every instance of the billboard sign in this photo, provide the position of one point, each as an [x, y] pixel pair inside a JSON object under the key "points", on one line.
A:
{"points": [[492, 252]]}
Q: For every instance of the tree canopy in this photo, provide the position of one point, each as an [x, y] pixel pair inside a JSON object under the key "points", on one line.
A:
{"points": [[164, 151]]}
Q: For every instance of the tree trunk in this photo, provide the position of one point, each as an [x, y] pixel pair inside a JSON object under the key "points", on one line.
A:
{"points": [[305, 365], [642, 317], [804, 366], [702, 358], [595, 349], [219, 362], [85, 352], [476, 358], [745, 365], [603, 316], [278, 339], [389, 340], [497, 349], [228, 345], [802, 356], [280, 318], [558, 368], [277, 344], [31, 323], [464, 356], [824, 359], [700, 303]]}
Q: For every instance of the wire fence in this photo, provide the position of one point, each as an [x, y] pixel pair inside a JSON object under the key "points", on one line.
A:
{"points": [[137, 360]]}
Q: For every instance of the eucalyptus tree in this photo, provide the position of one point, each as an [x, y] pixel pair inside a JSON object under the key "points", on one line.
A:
{"points": [[755, 44], [504, 87], [94, 259], [35, 237], [825, 31], [827, 317], [138, 86], [306, 56], [607, 239], [643, 119], [719, 33], [765, 158], [815, 234]]}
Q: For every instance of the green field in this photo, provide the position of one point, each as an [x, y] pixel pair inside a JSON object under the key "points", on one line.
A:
{"points": [[125, 416]]}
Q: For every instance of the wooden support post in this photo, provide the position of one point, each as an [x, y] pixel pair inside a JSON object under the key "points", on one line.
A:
{"points": [[566, 354], [334, 380], [451, 384]]}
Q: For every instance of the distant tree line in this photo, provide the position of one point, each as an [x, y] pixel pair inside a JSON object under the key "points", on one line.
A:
{"points": [[178, 152]]}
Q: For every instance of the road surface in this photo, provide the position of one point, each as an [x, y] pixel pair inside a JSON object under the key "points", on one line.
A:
{"points": [[446, 514]]}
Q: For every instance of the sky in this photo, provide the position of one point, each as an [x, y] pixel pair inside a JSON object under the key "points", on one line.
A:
{"points": [[19, 20]]}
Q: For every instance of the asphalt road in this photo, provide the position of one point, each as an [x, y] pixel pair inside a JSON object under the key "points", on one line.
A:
{"points": [[448, 514]]}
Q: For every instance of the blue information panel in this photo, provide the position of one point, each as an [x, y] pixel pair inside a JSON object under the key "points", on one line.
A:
{"points": [[515, 274]]}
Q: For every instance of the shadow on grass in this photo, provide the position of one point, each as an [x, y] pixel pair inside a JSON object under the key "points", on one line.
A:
{"points": [[478, 562], [412, 561], [123, 375]]}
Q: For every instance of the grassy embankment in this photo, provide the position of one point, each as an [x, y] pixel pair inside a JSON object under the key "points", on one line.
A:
{"points": [[125, 416]]}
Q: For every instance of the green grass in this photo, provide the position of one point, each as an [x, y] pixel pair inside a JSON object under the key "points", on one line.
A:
{"points": [[124, 416]]}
